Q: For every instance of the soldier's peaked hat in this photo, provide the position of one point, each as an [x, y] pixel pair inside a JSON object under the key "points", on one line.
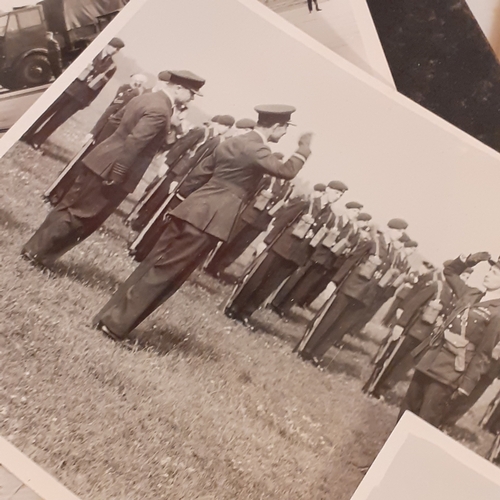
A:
{"points": [[270, 114], [185, 78]]}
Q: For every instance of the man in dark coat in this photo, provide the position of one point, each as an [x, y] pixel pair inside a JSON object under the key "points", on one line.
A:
{"points": [[103, 129], [460, 352], [254, 220], [295, 227], [199, 143], [77, 96], [315, 275], [113, 169], [354, 295], [422, 310], [206, 217]]}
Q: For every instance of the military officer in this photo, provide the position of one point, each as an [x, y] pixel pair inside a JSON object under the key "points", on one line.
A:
{"points": [[254, 220], [354, 295], [77, 96], [292, 231], [461, 349], [113, 169], [100, 132], [193, 148], [203, 219]]}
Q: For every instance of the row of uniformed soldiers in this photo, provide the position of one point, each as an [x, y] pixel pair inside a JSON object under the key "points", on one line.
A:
{"points": [[218, 195]]}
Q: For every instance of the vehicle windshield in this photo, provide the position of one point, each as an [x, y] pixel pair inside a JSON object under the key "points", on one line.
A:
{"points": [[3, 23]]}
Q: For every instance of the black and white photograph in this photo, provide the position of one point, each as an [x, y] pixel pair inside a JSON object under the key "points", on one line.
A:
{"points": [[234, 269], [38, 41], [417, 463]]}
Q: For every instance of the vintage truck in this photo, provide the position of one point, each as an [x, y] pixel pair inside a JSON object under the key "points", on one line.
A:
{"points": [[24, 58]]}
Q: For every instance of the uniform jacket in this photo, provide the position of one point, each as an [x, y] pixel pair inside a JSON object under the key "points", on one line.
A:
{"points": [[411, 318], [189, 163], [260, 219], [238, 166], [144, 125], [177, 156], [289, 246], [365, 290], [124, 95], [482, 331], [322, 255], [87, 89], [348, 263]]}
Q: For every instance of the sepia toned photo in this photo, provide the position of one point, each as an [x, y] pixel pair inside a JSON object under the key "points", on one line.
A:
{"points": [[38, 41], [233, 270]]}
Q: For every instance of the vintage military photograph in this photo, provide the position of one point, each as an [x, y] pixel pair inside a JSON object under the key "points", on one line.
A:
{"points": [[419, 463], [38, 41], [232, 260]]}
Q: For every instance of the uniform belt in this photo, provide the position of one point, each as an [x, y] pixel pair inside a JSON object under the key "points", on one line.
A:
{"points": [[239, 191]]}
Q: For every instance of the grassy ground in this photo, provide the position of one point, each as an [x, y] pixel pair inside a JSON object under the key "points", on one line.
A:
{"points": [[204, 409]]}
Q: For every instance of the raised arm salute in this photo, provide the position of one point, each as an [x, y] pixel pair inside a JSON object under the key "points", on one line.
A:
{"points": [[202, 220]]}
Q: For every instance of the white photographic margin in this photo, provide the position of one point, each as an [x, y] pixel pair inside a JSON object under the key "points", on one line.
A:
{"points": [[412, 426], [14, 133]]}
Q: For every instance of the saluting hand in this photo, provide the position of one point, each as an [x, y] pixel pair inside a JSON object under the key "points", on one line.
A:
{"points": [[477, 257], [306, 139]]}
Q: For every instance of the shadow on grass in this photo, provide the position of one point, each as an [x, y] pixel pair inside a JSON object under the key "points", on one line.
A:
{"points": [[166, 340], [87, 274], [8, 220], [333, 364]]}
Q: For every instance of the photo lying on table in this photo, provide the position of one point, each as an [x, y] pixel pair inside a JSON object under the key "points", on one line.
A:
{"points": [[38, 41], [418, 462], [234, 279]]}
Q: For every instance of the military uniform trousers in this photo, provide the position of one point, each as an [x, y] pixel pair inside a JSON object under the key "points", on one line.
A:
{"points": [[83, 209], [273, 270], [428, 398], [297, 289], [390, 317], [56, 114], [336, 322], [240, 240], [400, 365], [179, 251]]}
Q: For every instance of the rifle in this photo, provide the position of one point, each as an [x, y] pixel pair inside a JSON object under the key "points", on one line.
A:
{"points": [[50, 191]]}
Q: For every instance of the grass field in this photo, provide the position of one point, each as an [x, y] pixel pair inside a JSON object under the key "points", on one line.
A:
{"points": [[202, 408]]}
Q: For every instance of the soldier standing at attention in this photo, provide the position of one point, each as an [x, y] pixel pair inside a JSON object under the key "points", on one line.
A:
{"points": [[113, 169], [202, 220], [80, 94], [460, 351]]}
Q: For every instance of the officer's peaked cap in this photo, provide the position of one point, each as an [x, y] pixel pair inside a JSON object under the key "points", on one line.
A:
{"points": [[185, 78], [270, 114]]}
